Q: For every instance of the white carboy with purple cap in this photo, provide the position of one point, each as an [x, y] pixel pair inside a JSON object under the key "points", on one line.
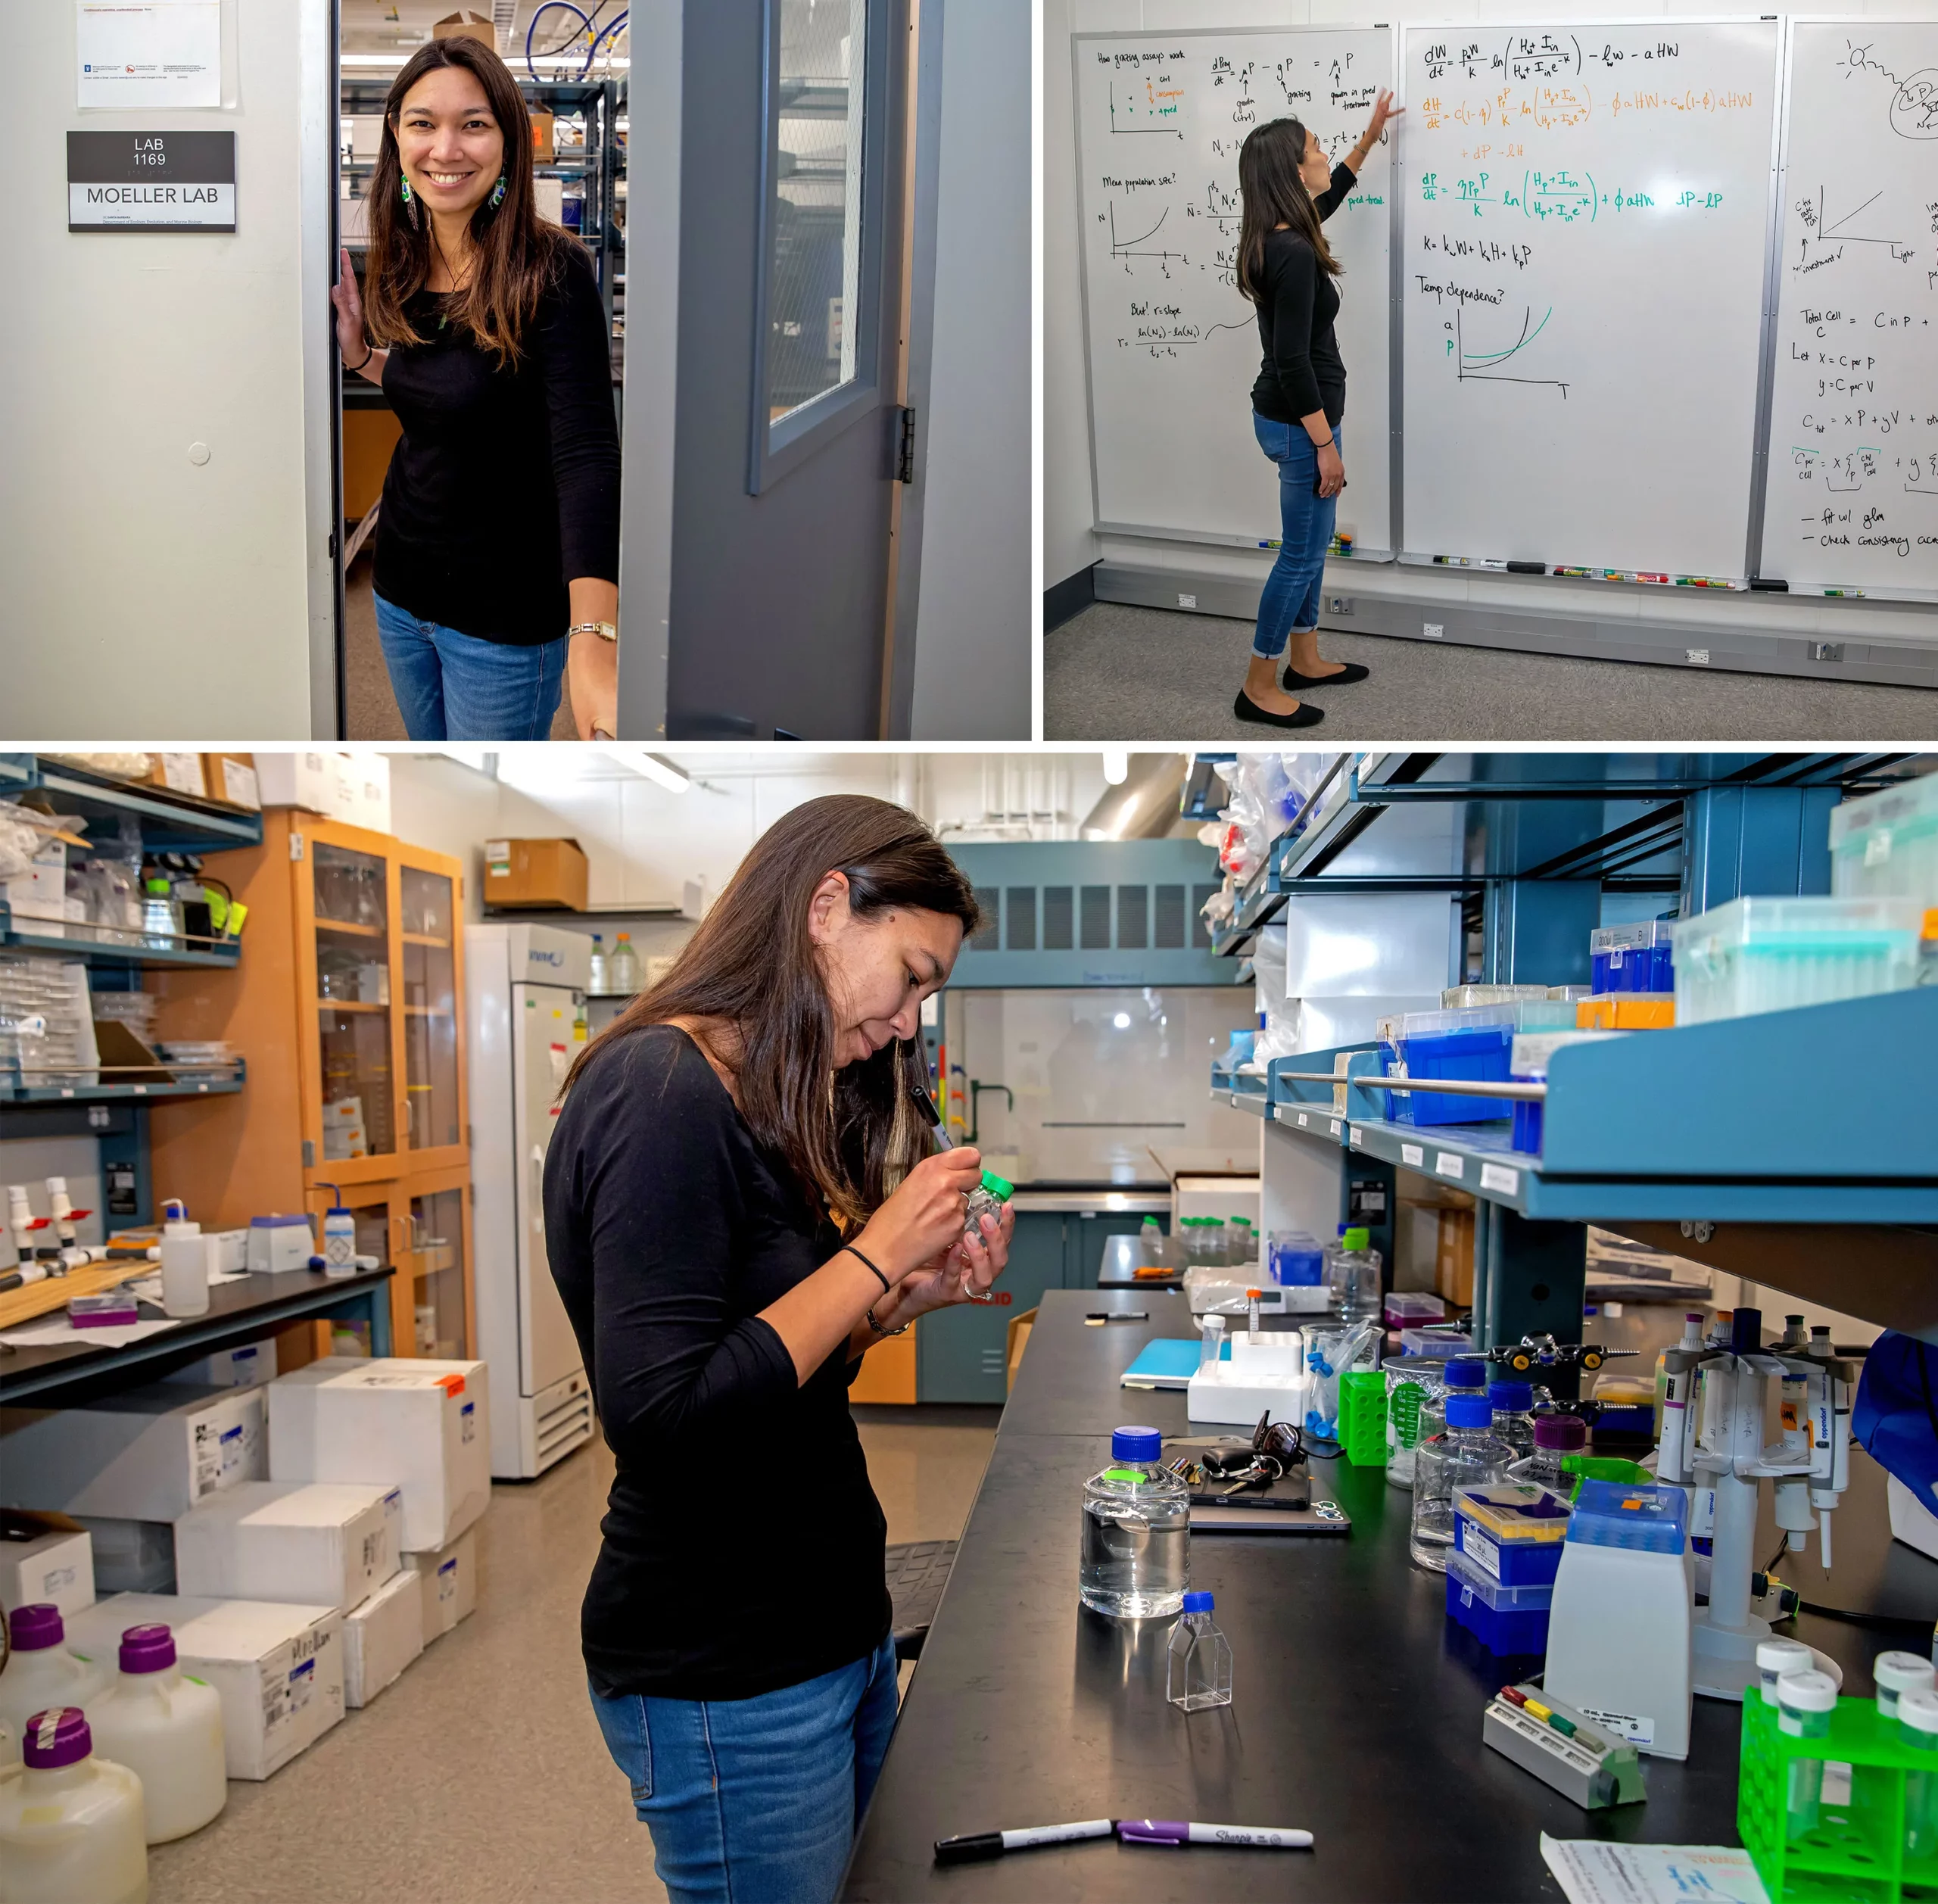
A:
{"points": [[165, 1727], [1135, 1560], [70, 1824]]}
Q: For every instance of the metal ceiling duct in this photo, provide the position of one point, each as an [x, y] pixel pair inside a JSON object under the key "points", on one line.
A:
{"points": [[1146, 805]]}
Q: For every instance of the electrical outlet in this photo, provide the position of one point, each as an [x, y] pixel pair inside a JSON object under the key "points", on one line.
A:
{"points": [[1827, 651], [1338, 605], [1696, 657], [1433, 630], [1187, 601]]}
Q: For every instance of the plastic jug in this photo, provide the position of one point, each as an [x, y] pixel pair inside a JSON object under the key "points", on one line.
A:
{"points": [[165, 1728], [70, 1824], [42, 1672]]}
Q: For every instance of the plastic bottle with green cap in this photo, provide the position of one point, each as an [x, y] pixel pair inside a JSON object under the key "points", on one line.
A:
{"points": [[1354, 1279], [986, 1200]]}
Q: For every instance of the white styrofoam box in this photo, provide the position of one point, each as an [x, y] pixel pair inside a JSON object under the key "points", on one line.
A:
{"points": [[1913, 1521], [319, 1543], [419, 1425], [363, 790], [247, 1366], [448, 1579], [51, 1569], [278, 1668], [41, 891], [148, 1453], [382, 1637], [131, 1556], [304, 776]]}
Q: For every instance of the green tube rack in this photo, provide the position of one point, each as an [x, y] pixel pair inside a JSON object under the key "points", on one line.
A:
{"points": [[1363, 1417], [1856, 1853]]}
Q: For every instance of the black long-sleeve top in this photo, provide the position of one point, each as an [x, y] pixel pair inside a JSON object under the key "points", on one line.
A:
{"points": [[1303, 370], [505, 485], [743, 1547]]}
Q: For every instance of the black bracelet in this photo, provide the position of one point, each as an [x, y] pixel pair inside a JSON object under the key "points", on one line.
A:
{"points": [[367, 354], [885, 1284]]}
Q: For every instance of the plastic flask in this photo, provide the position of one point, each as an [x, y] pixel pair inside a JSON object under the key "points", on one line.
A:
{"points": [[1211, 1345], [1353, 1284], [1199, 1671], [1135, 1560], [165, 1728], [1805, 1703], [624, 971], [1917, 1732], [1514, 1415], [42, 1672], [1896, 1674], [70, 1824], [1466, 1454], [1556, 1438], [595, 979]]}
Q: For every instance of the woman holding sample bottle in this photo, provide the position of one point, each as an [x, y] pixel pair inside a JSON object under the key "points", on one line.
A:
{"points": [[740, 1201], [497, 541], [1287, 269]]}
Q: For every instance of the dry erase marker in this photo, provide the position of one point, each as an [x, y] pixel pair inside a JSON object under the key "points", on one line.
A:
{"points": [[993, 1844], [1856, 593], [1468, 561], [1157, 1830], [1585, 574], [1643, 575], [1270, 545]]}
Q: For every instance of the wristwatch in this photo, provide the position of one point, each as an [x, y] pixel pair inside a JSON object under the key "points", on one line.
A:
{"points": [[605, 630]]}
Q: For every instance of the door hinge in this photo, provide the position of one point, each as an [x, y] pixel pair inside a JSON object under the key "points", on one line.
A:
{"points": [[905, 462]]}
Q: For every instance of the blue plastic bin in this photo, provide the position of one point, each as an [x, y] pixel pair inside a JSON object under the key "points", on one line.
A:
{"points": [[1479, 1054], [1296, 1261], [1632, 957], [1504, 1619]]}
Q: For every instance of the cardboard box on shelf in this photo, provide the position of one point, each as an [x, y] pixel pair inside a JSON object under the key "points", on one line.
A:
{"points": [[302, 776], [448, 1576], [329, 1543], [419, 1425], [535, 873], [179, 773], [1453, 1260], [131, 1556], [474, 25], [382, 1637], [278, 1668], [146, 1454], [44, 1561], [363, 791], [231, 779], [544, 146]]}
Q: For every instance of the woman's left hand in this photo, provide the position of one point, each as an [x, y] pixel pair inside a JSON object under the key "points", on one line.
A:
{"points": [[962, 1274], [1383, 110], [592, 668]]}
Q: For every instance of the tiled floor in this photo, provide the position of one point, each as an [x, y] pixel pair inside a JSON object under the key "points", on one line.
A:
{"points": [[480, 1778]]}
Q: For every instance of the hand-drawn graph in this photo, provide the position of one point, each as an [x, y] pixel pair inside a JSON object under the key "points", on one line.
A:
{"points": [[1825, 234], [1142, 247], [1484, 367], [1149, 106]]}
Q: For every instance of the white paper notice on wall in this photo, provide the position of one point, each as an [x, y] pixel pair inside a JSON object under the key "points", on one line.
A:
{"points": [[132, 54]]}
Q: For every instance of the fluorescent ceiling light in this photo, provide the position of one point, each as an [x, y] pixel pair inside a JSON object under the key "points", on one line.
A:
{"points": [[1117, 766], [663, 773]]}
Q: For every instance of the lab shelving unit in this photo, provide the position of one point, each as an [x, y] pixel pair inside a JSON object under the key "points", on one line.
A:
{"points": [[115, 1114], [1753, 1145]]}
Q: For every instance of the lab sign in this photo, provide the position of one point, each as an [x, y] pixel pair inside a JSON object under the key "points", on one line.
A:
{"points": [[151, 181]]}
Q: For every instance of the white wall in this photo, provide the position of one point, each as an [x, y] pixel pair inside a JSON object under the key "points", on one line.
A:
{"points": [[975, 610], [141, 593], [1069, 542]]}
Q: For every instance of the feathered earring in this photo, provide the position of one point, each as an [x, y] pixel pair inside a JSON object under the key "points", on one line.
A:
{"points": [[410, 201], [498, 192]]}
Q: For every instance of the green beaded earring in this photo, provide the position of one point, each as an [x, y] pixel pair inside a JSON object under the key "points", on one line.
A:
{"points": [[498, 192], [409, 201]]}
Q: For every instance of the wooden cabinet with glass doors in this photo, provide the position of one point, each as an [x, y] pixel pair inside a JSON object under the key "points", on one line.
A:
{"points": [[351, 1005]]}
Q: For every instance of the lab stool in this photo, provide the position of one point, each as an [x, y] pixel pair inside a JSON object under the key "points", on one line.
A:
{"points": [[918, 1571]]}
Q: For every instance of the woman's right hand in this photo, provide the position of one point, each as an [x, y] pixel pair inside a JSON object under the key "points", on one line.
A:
{"points": [[1332, 471], [343, 294], [925, 1215]]}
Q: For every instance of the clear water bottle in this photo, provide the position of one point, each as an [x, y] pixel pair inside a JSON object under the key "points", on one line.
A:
{"points": [[597, 982], [1353, 1279], [624, 966], [1466, 1454], [1137, 1554], [1462, 1375], [1199, 1671], [1556, 1438], [1514, 1415]]}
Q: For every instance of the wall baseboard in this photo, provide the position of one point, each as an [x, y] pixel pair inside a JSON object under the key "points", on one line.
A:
{"points": [[1069, 597], [1662, 643]]}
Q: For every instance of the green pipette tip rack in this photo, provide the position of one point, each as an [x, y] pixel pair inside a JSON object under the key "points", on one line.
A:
{"points": [[1855, 1853], [1363, 1417]]}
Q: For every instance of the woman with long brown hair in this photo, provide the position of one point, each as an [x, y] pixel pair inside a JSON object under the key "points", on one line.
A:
{"points": [[497, 545], [1287, 269], [740, 1201]]}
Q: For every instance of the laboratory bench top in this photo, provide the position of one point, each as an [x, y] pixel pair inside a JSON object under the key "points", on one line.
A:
{"points": [[1357, 1705], [69, 1373]]}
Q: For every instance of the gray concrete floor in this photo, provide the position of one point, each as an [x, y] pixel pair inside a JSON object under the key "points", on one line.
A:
{"points": [[1119, 673], [369, 706], [480, 1777]]}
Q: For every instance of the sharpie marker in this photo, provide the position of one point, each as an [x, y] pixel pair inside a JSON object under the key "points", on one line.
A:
{"points": [[993, 1844], [1157, 1830]]}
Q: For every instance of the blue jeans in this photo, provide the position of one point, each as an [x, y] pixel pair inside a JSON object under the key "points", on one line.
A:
{"points": [[452, 687], [756, 1801], [1290, 600]]}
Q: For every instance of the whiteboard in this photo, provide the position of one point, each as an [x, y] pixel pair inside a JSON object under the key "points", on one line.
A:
{"points": [[1173, 349], [1852, 504], [1584, 213]]}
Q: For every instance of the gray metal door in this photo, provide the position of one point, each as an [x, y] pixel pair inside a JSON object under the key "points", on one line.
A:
{"points": [[762, 427]]}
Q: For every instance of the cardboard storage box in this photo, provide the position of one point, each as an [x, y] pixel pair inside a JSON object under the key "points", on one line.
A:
{"points": [[248, 1366], [326, 1543], [416, 1425], [473, 25], [146, 1454], [278, 1669], [231, 779], [304, 776], [382, 1637], [180, 773], [363, 791], [544, 148], [131, 1556], [1019, 1327], [44, 1565], [535, 872], [448, 1579]]}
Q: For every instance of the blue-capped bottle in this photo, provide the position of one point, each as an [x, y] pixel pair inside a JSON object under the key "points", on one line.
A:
{"points": [[1135, 1560]]}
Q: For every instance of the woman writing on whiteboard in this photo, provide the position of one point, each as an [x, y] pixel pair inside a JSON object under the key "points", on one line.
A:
{"points": [[1286, 269], [497, 558]]}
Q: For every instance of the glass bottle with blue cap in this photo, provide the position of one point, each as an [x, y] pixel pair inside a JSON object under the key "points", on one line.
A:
{"points": [[1135, 1560]]}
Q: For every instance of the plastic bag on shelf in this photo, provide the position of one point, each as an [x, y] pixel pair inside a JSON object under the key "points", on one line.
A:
{"points": [[1278, 1027]]}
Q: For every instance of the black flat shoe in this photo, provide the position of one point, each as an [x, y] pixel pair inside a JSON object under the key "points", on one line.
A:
{"points": [[1246, 709], [1349, 671]]}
